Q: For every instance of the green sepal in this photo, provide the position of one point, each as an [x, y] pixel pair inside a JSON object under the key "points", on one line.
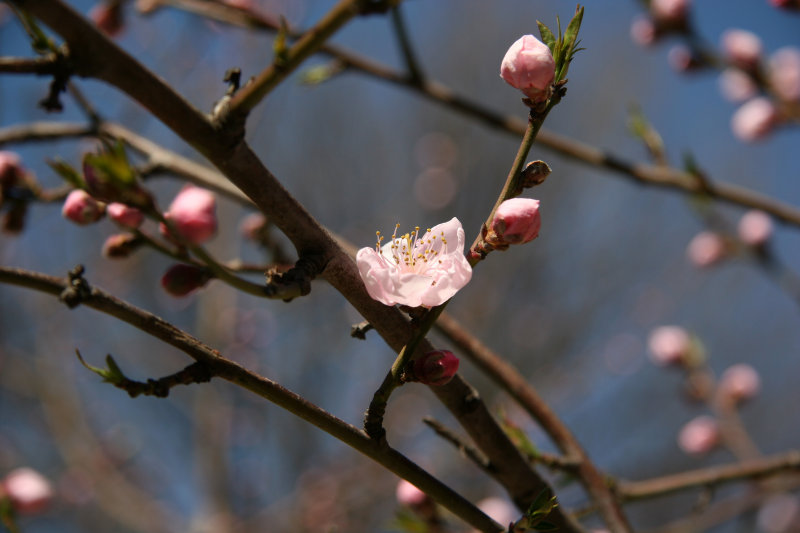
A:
{"points": [[113, 165], [279, 46], [547, 36], [112, 374], [568, 44], [70, 175], [321, 73]]}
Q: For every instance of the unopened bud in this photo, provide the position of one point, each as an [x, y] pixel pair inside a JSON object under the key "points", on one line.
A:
{"points": [[28, 490], [193, 214], [529, 66], [669, 345], [784, 73], [699, 436], [643, 31], [181, 279], [671, 13], [534, 174], [81, 208], [130, 217], [10, 168], [435, 368], [755, 120], [742, 48], [252, 226], [705, 249], [121, 245], [108, 17], [516, 221], [739, 383], [755, 228]]}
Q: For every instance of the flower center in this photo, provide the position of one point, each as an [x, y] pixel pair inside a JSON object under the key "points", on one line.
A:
{"points": [[412, 252]]}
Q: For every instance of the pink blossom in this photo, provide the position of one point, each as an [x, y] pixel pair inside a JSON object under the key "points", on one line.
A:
{"points": [[681, 58], [670, 11], [699, 436], [643, 31], [529, 66], [435, 368], [416, 270], [784, 73], [10, 168], [180, 279], [705, 249], [252, 225], [499, 509], [669, 345], [410, 496], [193, 214], [742, 48], [81, 208], [516, 221], [739, 383], [754, 120], [107, 16], [736, 86], [786, 4], [755, 228], [130, 217], [778, 514], [28, 490]]}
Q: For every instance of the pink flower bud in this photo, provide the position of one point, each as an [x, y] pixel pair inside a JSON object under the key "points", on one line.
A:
{"points": [[181, 279], [28, 490], [529, 66], [10, 168], [742, 48], [786, 4], [435, 368], [121, 245], [682, 59], [252, 225], [669, 345], [193, 213], [736, 86], [516, 221], [643, 31], [754, 120], [739, 383], [705, 249], [699, 436], [755, 228], [130, 217], [107, 16], [778, 514], [410, 496], [81, 208], [672, 12], [784, 73]]}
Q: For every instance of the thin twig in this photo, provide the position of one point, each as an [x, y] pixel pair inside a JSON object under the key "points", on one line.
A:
{"points": [[469, 451]]}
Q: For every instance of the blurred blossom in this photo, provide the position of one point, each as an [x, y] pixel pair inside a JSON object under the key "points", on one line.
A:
{"points": [[529, 66], [435, 188], [81, 208], [778, 514], [742, 48], [739, 383], [120, 245], [29, 491], [754, 120], [130, 217], [784, 73], [643, 31], [699, 436], [436, 149], [673, 12], [705, 249], [252, 225], [516, 221], [416, 270], [108, 17], [10, 167], [193, 214], [681, 58], [180, 279], [408, 495], [669, 345], [755, 228], [736, 86], [786, 4], [500, 510]]}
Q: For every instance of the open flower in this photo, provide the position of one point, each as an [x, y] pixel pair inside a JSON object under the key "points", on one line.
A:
{"points": [[416, 270]]}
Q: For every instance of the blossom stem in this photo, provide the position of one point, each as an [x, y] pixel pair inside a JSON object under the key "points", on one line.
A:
{"points": [[511, 187], [373, 419]]}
